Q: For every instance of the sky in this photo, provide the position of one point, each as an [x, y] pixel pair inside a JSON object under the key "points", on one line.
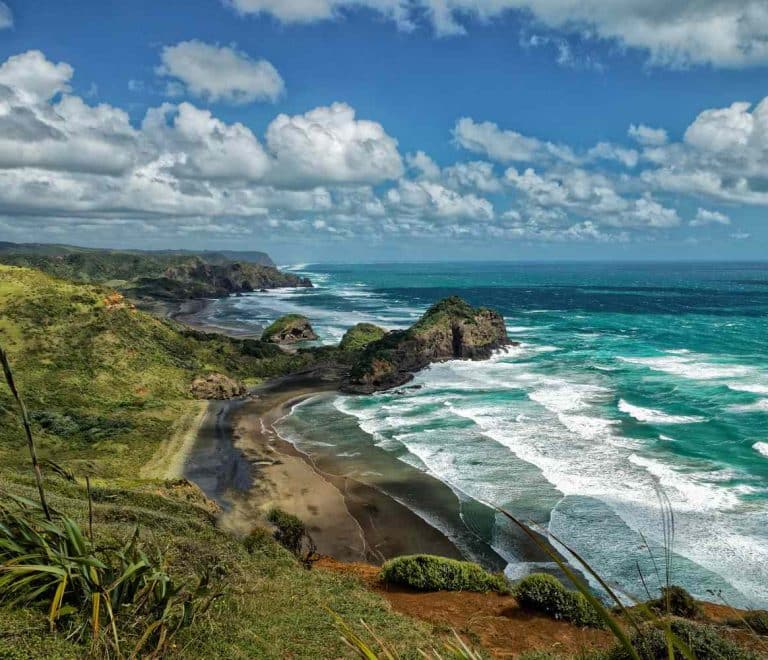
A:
{"points": [[388, 130]]}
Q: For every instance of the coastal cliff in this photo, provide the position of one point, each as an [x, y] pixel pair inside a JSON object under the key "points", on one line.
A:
{"points": [[449, 330]]}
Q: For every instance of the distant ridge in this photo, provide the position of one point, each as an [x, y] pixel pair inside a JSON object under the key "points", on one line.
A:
{"points": [[211, 256]]}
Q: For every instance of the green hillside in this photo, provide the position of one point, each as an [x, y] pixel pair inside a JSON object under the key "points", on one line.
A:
{"points": [[107, 386]]}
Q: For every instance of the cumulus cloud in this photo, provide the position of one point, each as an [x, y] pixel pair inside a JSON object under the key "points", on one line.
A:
{"points": [[556, 196], [707, 217], [70, 165], [647, 136], [6, 16], [422, 199], [728, 33], [505, 146], [219, 73], [608, 151], [328, 144], [723, 155], [35, 78]]}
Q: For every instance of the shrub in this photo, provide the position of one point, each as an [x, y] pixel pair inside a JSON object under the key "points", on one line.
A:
{"points": [[678, 602], [545, 593], [704, 642], [430, 573], [292, 534], [757, 621]]}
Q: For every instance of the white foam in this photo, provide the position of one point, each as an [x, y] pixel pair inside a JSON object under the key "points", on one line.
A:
{"points": [[666, 438], [651, 416], [761, 448], [757, 406], [690, 368]]}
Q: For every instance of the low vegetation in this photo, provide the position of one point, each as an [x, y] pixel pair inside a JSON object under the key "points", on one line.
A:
{"points": [[292, 534], [360, 335], [677, 601], [431, 573], [544, 593], [701, 642]]}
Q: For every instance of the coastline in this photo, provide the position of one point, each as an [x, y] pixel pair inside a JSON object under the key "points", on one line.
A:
{"points": [[194, 314], [241, 462]]}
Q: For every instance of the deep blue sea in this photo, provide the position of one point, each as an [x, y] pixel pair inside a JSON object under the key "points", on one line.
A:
{"points": [[631, 384]]}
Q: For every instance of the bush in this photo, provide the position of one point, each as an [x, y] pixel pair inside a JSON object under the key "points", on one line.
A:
{"points": [[292, 534], [678, 602], [704, 643], [430, 573], [545, 593], [757, 621]]}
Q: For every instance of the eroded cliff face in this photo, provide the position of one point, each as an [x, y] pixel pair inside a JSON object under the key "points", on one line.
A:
{"points": [[450, 330]]}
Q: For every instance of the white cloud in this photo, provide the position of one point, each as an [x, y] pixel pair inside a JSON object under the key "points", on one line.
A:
{"points": [[723, 155], [728, 33], [328, 144], [647, 136], [423, 165], [505, 146], [425, 199], [219, 73], [706, 217], [203, 147], [35, 78], [6, 16], [608, 151]]}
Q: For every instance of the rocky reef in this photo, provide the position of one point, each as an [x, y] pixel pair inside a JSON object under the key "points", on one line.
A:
{"points": [[289, 329], [450, 330]]}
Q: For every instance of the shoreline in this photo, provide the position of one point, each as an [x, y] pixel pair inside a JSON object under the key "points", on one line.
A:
{"points": [[194, 314], [241, 462]]}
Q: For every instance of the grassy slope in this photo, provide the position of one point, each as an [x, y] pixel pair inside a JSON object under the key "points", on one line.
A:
{"points": [[107, 384]]}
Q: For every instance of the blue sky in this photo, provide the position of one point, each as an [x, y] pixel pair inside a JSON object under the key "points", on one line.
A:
{"points": [[388, 129]]}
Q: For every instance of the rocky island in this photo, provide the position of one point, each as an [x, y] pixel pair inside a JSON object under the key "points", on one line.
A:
{"points": [[289, 329], [451, 329]]}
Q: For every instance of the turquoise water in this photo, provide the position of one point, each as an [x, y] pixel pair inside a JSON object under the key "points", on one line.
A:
{"points": [[629, 381]]}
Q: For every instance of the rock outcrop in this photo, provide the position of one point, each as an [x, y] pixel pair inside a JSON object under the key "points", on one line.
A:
{"points": [[289, 329], [218, 387], [360, 335], [450, 330]]}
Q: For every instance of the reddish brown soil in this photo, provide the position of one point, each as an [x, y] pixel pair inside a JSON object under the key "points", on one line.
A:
{"points": [[501, 627], [492, 621]]}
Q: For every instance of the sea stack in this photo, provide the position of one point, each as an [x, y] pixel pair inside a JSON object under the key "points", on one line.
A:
{"points": [[450, 330], [289, 329]]}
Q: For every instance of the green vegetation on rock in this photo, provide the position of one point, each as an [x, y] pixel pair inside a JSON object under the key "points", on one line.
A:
{"points": [[677, 601], [450, 329], [288, 329], [431, 573], [360, 335], [544, 593]]}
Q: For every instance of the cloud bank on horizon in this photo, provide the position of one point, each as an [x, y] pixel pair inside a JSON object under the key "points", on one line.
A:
{"points": [[71, 166]]}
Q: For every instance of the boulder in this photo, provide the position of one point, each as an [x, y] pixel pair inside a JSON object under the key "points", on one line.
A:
{"points": [[450, 330], [289, 329], [218, 387]]}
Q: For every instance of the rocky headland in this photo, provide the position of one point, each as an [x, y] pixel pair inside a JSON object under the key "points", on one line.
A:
{"points": [[450, 330], [289, 329]]}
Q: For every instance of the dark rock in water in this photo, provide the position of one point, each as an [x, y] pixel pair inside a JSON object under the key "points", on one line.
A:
{"points": [[450, 330], [289, 329], [217, 387], [262, 290]]}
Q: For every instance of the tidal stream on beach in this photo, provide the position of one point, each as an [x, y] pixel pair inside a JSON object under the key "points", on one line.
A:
{"points": [[631, 385]]}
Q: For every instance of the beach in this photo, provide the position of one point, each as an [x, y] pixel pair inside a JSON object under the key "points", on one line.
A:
{"points": [[240, 461]]}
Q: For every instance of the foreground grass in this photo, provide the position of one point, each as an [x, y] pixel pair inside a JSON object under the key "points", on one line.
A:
{"points": [[272, 607]]}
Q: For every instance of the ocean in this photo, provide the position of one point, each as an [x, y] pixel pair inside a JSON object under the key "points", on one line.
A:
{"points": [[632, 385]]}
